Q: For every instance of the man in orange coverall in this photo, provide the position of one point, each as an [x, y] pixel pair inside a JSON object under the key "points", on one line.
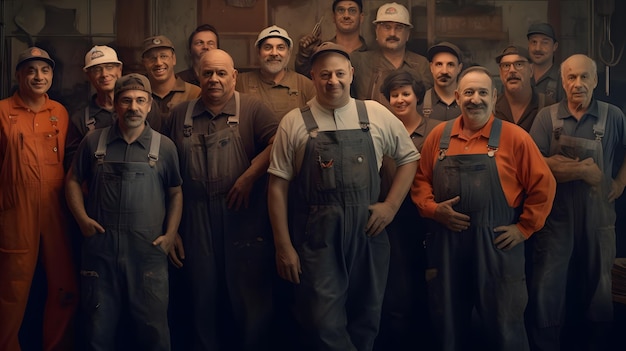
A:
{"points": [[32, 216]]}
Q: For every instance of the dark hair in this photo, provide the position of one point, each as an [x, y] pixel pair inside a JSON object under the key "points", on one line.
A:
{"points": [[204, 28], [358, 2], [400, 78]]}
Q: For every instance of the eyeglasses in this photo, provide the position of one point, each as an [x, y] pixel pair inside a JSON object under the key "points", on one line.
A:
{"points": [[351, 10], [101, 68], [162, 57], [519, 65], [127, 102]]}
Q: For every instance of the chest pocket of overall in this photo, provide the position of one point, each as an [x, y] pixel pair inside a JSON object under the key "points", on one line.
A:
{"points": [[341, 163], [469, 180]]}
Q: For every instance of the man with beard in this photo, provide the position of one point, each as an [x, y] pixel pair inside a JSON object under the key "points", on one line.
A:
{"points": [[280, 89], [224, 140], [347, 16], [542, 45], [168, 90], [445, 65], [129, 218], [580, 137], [485, 183], [520, 102], [393, 26], [201, 40]]}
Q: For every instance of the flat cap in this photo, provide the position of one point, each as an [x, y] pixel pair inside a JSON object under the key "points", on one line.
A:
{"points": [[513, 50], [329, 46], [444, 46], [133, 81], [541, 28]]}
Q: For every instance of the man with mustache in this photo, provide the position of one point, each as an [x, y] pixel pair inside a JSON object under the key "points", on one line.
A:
{"points": [[445, 65], [33, 222], [168, 90], [103, 68], [280, 89], [347, 16], [393, 26], [542, 45], [580, 138], [129, 219], [488, 188], [520, 102], [224, 139]]}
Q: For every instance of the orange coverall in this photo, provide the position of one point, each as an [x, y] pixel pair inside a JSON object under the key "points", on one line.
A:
{"points": [[33, 219]]}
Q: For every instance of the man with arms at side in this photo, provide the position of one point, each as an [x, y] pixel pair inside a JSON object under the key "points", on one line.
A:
{"points": [[33, 222], [488, 187], [446, 63], [280, 89], [330, 239], [542, 45], [574, 253], [201, 40], [347, 16], [520, 102], [224, 139]]}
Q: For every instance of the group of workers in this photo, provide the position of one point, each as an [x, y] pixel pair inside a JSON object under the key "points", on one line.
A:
{"points": [[374, 199]]}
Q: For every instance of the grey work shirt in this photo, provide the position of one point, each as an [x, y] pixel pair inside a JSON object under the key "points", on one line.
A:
{"points": [[440, 109]]}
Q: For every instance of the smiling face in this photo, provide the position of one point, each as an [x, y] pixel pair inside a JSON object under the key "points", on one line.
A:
{"points": [[332, 75], [104, 76], [274, 54], [403, 101], [34, 78], [159, 64], [476, 97]]}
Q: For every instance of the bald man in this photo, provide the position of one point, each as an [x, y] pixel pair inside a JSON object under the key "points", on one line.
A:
{"points": [[224, 138]]}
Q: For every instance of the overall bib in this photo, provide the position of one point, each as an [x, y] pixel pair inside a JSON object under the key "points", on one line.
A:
{"points": [[577, 244], [121, 270], [465, 269], [33, 226], [339, 298], [230, 262]]}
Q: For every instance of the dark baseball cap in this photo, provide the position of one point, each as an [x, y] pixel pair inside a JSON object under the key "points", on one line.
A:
{"points": [[444, 46], [329, 46], [133, 81], [513, 50], [541, 28], [32, 54], [359, 3]]}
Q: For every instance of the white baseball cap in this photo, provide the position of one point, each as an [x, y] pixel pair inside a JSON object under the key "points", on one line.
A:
{"points": [[273, 32], [393, 12], [100, 54]]}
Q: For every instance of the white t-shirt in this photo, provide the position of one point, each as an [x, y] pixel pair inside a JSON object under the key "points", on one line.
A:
{"points": [[389, 135]]}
